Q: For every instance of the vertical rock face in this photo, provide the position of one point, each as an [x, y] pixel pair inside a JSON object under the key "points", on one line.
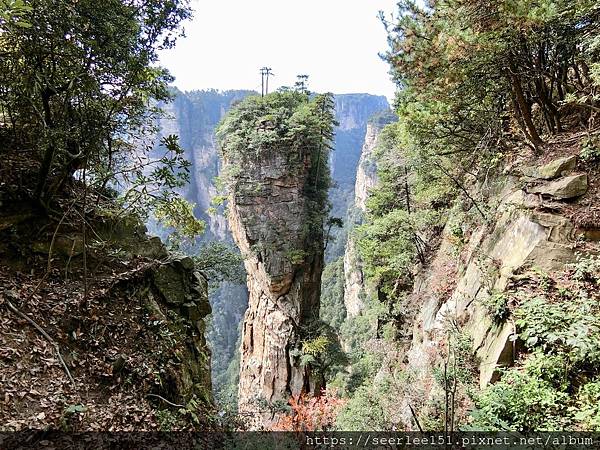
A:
{"points": [[267, 215], [366, 174], [518, 237], [366, 179], [352, 111], [193, 116]]}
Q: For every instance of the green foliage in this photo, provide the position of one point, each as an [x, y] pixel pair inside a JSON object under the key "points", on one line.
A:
{"points": [[220, 262], [463, 63], [290, 125], [179, 214], [286, 122], [333, 310], [320, 348], [374, 406], [364, 412], [387, 248], [464, 67], [590, 149], [87, 107], [296, 256], [587, 269], [587, 409], [12, 11], [521, 401], [571, 327], [403, 210], [356, 333], [556, 386], [315, 347], [150, 189], [497, 306]]}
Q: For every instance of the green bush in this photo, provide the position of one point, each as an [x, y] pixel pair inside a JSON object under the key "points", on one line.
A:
{"points": [[364, 412], [570, 327], [521, 401], [587, 410], [557, 386], [497, 306], [590, 149]]}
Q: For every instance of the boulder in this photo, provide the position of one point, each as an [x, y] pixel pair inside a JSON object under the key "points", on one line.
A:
{"points": [[521, 199], [553, 169], [564, 188], [170, 282], [558, 167]]}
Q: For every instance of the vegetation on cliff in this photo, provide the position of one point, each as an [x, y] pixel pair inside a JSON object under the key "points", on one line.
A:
{"points": [[484, 86], [102, 327], [297, 128], [474, 264], [291, 125], [276, 172], [77, 98]]}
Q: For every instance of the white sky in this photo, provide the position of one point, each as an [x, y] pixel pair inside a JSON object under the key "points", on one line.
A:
{"points": [[335, 42]]}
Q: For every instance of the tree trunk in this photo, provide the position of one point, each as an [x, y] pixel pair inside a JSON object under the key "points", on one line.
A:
{"points": [[525, 111], [50, 151]]}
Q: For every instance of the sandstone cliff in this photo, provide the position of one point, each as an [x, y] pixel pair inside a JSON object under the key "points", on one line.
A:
{"points": [[366, 179], [194, 117], [275, 149], [267, 216], [532, 229]]}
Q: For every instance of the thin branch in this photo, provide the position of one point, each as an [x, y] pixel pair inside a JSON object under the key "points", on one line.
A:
{"points": [[43, 333], [166, 401], [462, 188], [412, 411], [49, 263]]}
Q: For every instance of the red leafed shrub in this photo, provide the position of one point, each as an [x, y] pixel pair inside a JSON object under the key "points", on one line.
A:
{"points": [[311, 413]]}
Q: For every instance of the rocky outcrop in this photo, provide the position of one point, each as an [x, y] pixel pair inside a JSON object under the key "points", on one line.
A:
{"points": [[267, 216], [175, 286], [353, 280], [193, 116], [564, 188], [521, 234], [352, 112], [553, 169], [366, 174], [131, 333]]}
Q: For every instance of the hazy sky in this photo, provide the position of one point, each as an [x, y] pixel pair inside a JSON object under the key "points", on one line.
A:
{"points": [[335, 42]]}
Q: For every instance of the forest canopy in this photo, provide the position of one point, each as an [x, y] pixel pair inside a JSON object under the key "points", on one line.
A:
{"points": [[79, 89]]}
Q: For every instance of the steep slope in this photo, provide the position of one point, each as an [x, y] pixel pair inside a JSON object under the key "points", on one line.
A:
{"points": [[535, 234], [125, 319], [366, 179], [284, 287], [193, 116], [496, 295], [353, 112]]}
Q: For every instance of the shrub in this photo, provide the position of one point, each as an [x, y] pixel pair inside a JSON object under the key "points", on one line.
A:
{"points": [[523, 402]]}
